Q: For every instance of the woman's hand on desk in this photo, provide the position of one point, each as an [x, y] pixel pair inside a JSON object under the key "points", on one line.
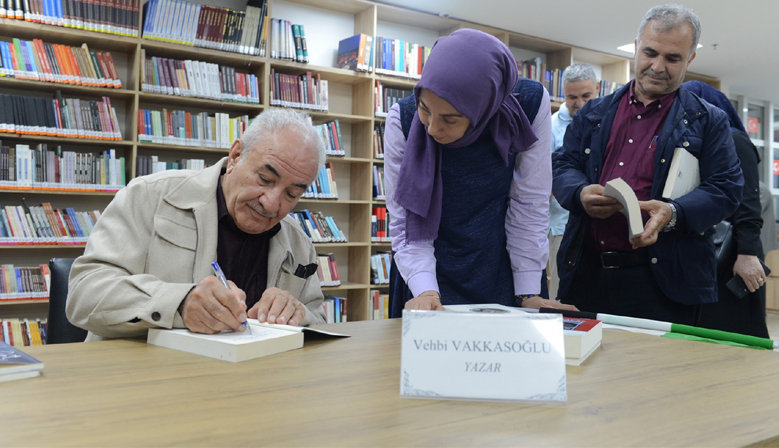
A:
{"points": [[210, 307], [428, 301], [538, 302], [277, 306]]}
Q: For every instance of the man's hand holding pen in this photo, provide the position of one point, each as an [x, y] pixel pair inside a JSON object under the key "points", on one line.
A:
{"points": [[210, 307]]}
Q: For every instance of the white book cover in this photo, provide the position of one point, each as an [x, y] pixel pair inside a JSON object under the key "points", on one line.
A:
{"points": [[233, 346], [684, 175], [622, 192], [228, 345]]}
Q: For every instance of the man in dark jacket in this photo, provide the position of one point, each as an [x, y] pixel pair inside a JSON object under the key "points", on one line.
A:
{"points": [[668, 270]]}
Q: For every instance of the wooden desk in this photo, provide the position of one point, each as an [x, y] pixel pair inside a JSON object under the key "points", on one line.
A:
{"points": [[635, 390]]}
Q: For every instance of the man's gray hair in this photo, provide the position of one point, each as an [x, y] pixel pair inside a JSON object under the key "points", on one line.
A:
{"points": [[579, 72], [670, 17], [264, 125]]}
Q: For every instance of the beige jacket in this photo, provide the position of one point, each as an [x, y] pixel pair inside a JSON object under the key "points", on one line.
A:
{"points": [[154, 242]]}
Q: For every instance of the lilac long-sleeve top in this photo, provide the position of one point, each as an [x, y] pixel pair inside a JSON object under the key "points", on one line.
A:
{"points": [[526, 219]]}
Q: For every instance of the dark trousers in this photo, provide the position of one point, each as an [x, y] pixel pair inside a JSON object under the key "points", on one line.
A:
{"points": [[626, 291], [729, 313]]}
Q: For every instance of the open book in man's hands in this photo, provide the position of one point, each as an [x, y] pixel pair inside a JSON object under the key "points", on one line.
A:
{"points": [[621, 191]]}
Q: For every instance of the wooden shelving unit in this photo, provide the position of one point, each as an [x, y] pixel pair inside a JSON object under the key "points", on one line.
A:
{"points": [[351, 102]]}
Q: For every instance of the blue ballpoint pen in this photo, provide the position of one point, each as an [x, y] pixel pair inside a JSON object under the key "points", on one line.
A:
{"points": [[221, 276]]}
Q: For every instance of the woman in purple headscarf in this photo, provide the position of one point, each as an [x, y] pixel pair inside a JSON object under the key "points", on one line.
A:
{"points": [[468, 178], [744, 314]]}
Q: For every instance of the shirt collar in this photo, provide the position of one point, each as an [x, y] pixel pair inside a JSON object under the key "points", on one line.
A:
{"points": [[662, 103]]}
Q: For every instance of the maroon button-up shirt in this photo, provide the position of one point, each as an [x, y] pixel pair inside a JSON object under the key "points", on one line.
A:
{"points": [[242, 256], [630, 154]]}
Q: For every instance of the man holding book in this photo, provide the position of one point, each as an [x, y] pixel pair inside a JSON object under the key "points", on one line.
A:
{"points": [[668, 270], [148, 261], [580, 84]]}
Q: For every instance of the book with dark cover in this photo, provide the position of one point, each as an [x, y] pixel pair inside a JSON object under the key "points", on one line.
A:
{"points": [[348, 50]]}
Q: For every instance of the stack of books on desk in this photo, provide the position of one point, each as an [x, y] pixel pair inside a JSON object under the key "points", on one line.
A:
{"points": [[582, 336]]}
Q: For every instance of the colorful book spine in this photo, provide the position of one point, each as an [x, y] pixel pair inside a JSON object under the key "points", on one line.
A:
{"points": [[307, 91], [197, 79], [170, 127], [38, 168], [42, 225]]}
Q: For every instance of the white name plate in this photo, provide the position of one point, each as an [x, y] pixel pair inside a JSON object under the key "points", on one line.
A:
{"points": [[446, 355]]}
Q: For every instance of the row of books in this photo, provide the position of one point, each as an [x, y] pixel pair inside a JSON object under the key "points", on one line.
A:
{"points": [[378, 140], [306, 91], [608, 87], [43, 225], [39, 61], [206, 26], [24, 283], [331, 135], [553, 82], [356, 53], [22, 167], [320, 228], [379, 305], [378, 183], [288, 41], [380, 268], [335, 309], [384, 98], [534, 68], [396, 57], [23, 332], [183, 128], [106, 16], [324, 186], [327, 270], [198, 79], [61, 117], [152, 164], [380, 225]]}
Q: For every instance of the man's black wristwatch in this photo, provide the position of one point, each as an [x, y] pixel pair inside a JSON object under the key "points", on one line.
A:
{"points": [[522, 297]]}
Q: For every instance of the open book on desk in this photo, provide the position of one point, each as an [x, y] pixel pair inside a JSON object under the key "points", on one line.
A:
{"points": [[622, 192], [582, 336], [234, 346]]}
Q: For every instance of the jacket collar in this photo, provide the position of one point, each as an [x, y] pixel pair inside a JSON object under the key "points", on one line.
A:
{"points": [[198, 190], [688, 104]]}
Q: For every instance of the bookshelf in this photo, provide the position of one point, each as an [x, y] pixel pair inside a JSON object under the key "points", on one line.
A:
{"points": [[350, 102]]}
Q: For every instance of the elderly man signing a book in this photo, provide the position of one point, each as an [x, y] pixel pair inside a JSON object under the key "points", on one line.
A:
{"points": [[148, 262]]}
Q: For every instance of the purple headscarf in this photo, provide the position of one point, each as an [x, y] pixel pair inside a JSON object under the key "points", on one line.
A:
{"points": [[475, 73]]}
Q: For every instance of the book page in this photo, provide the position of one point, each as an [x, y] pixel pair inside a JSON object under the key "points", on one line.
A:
{"points": [[258, 333], [622, 192]]}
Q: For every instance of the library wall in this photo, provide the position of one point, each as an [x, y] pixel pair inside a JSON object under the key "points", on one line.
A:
{"points": [[351, 102]]}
